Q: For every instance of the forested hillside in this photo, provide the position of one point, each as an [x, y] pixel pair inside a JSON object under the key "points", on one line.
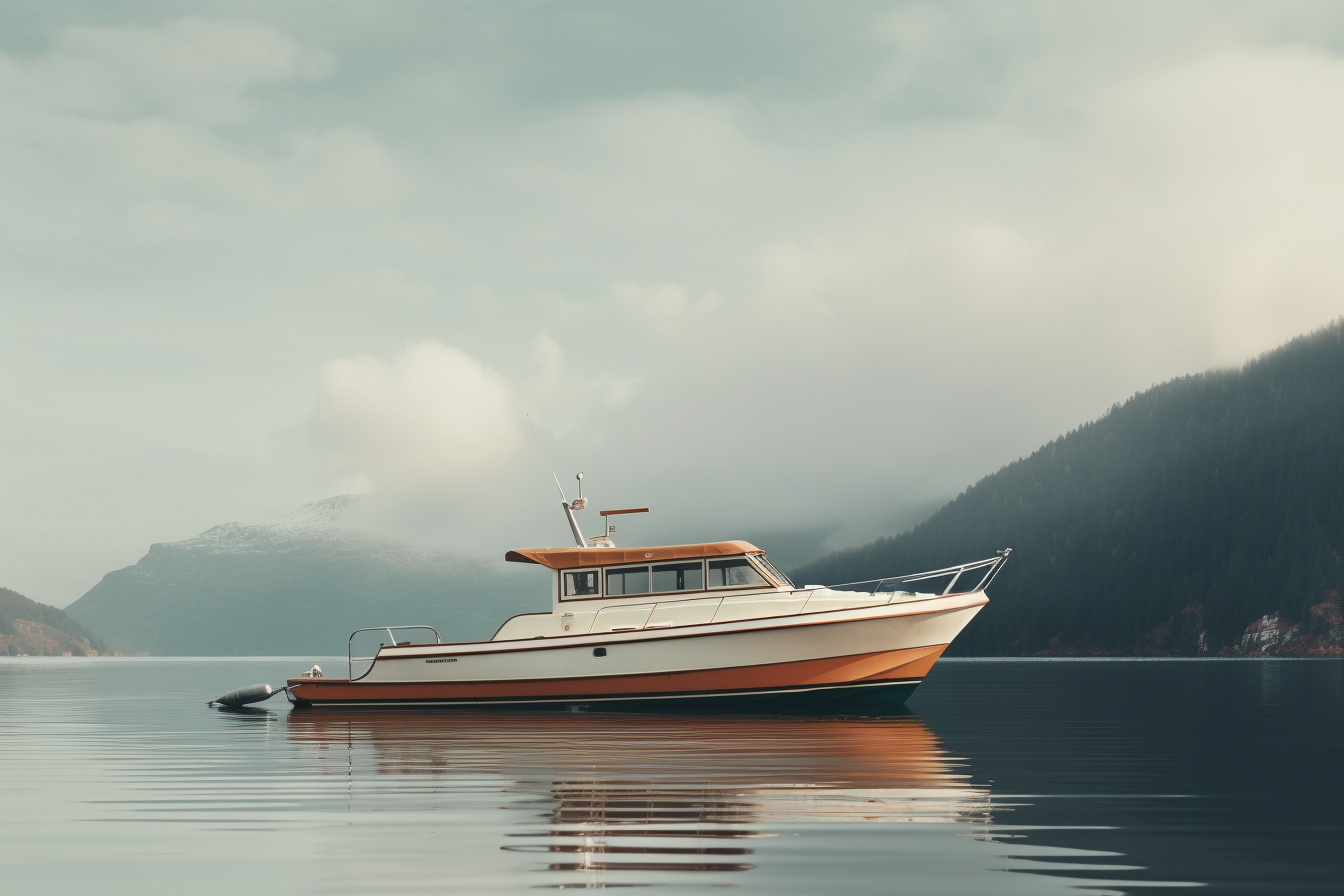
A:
{"points": [[1203, 516], [33, 629]]}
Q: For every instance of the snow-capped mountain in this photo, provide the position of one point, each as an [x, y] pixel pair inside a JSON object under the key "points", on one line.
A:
{"points": [[297, 585]]}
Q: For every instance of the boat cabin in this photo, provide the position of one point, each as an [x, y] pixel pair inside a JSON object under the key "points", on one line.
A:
{"points": [[626, 589]]}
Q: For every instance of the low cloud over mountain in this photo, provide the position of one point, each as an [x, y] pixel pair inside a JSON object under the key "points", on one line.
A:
{"points": [[297, 585]]}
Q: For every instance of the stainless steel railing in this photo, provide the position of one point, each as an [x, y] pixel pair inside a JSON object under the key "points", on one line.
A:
{"points": [[350, 645], [963, 579]]}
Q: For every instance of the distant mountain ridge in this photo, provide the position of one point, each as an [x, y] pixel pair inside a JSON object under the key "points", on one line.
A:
{"points": [[1204, 516], [29, 628], [296, 585]]}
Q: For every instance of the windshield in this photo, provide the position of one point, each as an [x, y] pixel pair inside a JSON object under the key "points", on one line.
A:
{"points": [[774, 573]]}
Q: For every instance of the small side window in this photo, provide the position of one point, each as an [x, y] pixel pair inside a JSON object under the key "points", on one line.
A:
{"points": [[627, 580], [685, 576], [734, 573], [581, 583]]}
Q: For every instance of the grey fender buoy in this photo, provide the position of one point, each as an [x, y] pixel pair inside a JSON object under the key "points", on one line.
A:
{"points": [[244, 696]]}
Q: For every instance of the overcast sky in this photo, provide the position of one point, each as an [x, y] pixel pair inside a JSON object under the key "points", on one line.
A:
{"points": [[793, 272]]}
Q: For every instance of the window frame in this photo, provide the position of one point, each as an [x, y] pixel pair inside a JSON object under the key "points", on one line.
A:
{"points": [[600, 582], [704, 585], [608, 570]]}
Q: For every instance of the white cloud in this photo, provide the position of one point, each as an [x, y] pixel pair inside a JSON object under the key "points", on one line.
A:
{"points": [[440, 444], [121, 135], [1189, 215], [1220, 183], [666, 304], [191, 68], [433, 419]]}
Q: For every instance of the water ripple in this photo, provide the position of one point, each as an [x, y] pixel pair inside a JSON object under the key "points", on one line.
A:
{"points": [[117, 761]]}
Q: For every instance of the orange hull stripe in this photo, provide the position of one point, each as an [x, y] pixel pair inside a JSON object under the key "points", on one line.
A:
{"points": [[913, 662]]}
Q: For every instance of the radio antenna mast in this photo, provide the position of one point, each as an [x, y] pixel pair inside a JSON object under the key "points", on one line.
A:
{"points": [[546, 456], [564, 502]]}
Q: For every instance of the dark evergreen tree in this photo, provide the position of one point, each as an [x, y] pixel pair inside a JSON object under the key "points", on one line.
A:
{"points": [[1168, 526], [14, 605]]}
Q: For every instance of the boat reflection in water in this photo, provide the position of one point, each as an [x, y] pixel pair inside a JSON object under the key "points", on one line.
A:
{"points": [[620, 799]]}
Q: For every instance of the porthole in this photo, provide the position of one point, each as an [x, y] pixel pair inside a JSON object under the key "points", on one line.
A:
{"points": [[599, 651]]}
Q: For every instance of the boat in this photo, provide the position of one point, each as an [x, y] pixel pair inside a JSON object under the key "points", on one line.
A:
{"points": [[683, 628]]}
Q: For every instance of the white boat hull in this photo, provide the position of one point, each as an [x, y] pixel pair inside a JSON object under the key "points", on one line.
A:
{"points": [[830, 655]]}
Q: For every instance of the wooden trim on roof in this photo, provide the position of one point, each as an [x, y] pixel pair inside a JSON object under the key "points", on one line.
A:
{"points": [[574, 558]]}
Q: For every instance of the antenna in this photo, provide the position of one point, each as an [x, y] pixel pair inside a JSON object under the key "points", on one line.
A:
{"points": [[547, 456], [564, 502]]}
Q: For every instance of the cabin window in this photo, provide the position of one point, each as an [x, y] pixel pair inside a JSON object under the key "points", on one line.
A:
{"points": [[687, 576], [627, 580], [581, 583], [771, 571], [734, 573]]}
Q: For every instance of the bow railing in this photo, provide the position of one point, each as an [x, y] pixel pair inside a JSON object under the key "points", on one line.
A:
{"points": [[963, 579]]}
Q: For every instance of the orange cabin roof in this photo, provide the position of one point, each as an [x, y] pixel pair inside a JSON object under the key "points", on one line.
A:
{"points": [[572, 558]]}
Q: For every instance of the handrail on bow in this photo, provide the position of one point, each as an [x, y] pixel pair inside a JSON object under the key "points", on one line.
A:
{"points": [[956, 575]]}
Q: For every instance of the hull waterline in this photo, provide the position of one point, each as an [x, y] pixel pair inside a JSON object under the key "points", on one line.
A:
{"points": [[864, 661], [870, 698]]}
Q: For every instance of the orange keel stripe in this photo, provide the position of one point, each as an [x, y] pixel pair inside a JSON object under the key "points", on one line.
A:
{"points": [[912, 662]]}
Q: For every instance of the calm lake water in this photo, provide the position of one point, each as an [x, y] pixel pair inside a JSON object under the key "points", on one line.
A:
{"points": [[1008, 777]]}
